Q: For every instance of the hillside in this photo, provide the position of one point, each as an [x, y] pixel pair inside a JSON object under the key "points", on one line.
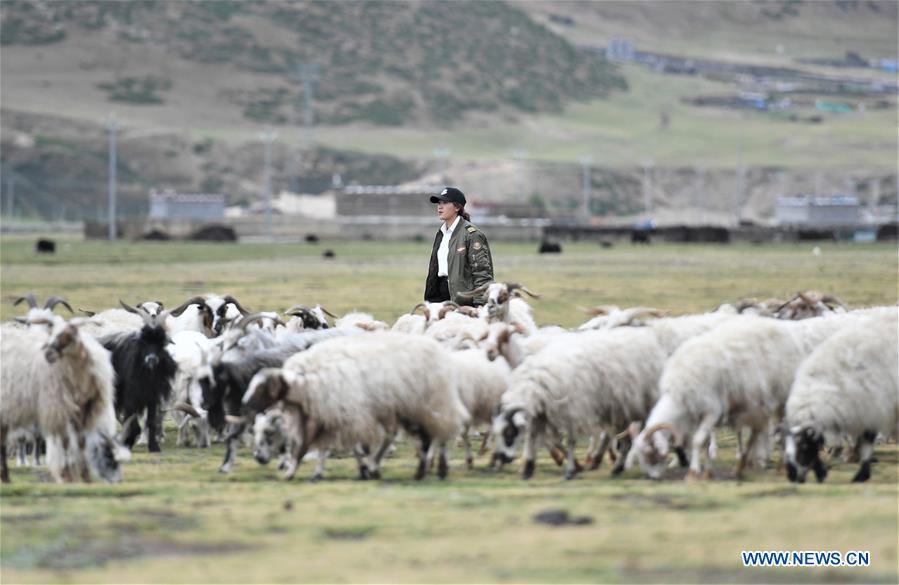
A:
{"points": [[516, 94], [385, 63]]}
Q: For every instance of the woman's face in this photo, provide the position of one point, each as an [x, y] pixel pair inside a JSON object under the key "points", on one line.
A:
{"points": [[446, 211]]}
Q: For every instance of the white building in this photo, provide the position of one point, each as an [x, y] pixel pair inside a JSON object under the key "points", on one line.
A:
{"points": [[168, 204], [840, 210]]}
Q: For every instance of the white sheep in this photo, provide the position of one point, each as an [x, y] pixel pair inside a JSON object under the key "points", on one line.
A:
{"points": [[579, 389], [503, 303], [455, 328], [847, 386], [610, 316], [587, 370], [740, 372], [360, 390], [360, 320], [481, 384], [60, 380]]}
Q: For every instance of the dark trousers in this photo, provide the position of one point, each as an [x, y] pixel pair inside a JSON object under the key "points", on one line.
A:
{"points": [[443, 293]]}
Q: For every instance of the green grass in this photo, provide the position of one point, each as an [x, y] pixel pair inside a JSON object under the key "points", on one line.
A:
{"points": [[175, 519]]}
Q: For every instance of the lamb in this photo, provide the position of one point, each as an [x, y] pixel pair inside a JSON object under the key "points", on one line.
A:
{"points": [[740, 372], [847, 386], [60, 380], [144, 373], [360, 391]]}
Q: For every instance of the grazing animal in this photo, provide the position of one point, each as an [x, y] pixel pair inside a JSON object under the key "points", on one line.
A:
{"points": [[847, 386], [44, 246]]}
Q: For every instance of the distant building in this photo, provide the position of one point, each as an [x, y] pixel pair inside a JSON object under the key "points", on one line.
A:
{"points": [[840, 210], [168, 204], [386, 200]]}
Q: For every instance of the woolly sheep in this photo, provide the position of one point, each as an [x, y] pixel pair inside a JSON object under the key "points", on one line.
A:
{"points": [[60, 380], [741, 372], [359, 391], [848, 385]]}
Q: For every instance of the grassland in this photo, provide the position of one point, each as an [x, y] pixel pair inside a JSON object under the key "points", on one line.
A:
{"points": [[174, 519]]}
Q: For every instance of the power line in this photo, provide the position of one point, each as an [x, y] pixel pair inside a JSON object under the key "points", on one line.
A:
{"points": [[112, 126]]}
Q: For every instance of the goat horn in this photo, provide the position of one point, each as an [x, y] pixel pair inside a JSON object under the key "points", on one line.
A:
{"points": [[28, 298], [235, 420], [230, 299], [246, 320], [833, 299], [327, 312], [427, 313], [678, 438], [189, 409], [57, 300], [452, 304], [600, 310], [86, 312], [191, 301], [474, 292], [128, 307], [641, 312], [515, 286], [446, 309], [21, 320], [296, 310]]}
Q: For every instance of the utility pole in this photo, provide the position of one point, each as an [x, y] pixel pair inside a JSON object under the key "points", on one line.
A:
{"points": [[11, 196], [112, 126], [268, 136], [737, 203], [647, 187], [586, 161], [308, 75]]}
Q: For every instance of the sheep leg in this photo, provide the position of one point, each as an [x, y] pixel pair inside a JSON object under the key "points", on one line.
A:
{"points": [[442, 466], [82, 457], [152, 437], [698, 447], [310, 431], [865, 447], [469, 460], [423, 454], [596, 451], [361, 451], [531, 440], [4, 470], [231, 447], [382, 449], [570, 460], [744, 456], [320, 466], [40, 448], [624, 446], [483, 450]]}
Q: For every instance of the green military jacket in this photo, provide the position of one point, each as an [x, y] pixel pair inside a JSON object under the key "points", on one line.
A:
{"points": [[469, 264]]}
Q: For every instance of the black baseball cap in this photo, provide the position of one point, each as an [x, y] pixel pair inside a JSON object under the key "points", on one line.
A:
{"points": [[450, 195]]}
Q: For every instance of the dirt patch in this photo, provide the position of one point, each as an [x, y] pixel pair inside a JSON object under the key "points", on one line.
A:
{"points": [[774, 493], [671, 503], [348, 533], [72, 553]]}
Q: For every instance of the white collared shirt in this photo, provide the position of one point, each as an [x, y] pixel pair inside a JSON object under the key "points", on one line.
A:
{"points": [[443, 248]]}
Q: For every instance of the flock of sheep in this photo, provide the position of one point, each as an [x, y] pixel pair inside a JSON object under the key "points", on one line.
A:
{"points": [[645, 389]]}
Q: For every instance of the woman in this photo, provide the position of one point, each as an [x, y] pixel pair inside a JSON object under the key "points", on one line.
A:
{"points": [[460, 260]]}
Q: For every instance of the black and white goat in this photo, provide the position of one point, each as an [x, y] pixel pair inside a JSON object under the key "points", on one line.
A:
{"points": [[144, 372]]}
